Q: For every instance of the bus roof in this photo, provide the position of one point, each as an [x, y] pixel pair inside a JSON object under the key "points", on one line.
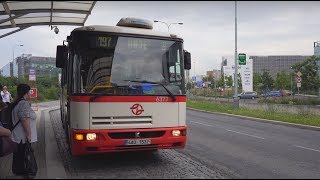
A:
{"points": [[126, 30]]}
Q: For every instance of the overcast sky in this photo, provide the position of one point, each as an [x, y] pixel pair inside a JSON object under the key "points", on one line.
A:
{"points": [[208, 30]]}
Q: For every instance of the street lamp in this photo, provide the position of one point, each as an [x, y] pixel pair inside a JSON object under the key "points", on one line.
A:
{"points": [[291, 79], [13, 50], [168, 25], [235, 98]]}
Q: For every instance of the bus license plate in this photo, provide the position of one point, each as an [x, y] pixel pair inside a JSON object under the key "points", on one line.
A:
{"points": [[137, 142]]}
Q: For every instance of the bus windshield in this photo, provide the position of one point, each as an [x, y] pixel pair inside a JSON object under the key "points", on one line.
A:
{"points": [[116, 65]]}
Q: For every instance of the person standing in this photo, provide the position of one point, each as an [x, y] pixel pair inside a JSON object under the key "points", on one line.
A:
{"points": [[6, 96], [26, 129], [4, 131]]}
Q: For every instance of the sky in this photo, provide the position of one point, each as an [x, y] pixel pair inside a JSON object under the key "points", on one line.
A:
{"points": [[263, 28]]}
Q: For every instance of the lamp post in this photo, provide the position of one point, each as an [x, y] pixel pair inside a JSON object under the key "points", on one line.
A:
{"points": [[291, 79], [13, 50], [236, 98], [168, 25]]}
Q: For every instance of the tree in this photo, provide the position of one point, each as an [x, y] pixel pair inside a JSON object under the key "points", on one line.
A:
{"points": [[210, 79], [308, 69], [229, 81], [257, 81], [267, 81], [221, 82], [239, 82], [283, 80], [189, 85]]}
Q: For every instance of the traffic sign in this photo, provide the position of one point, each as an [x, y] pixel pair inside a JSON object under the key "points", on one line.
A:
{"points": [[299, 74], [242, 58], [298, 85], [32, 77], [33, 93], [298, 79]]}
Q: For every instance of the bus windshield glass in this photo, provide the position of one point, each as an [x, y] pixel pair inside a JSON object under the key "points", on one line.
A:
{"points": [[117, 65]]}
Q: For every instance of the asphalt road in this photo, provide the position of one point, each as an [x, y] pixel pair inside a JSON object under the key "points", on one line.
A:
{"points": [[218, 146], [253, 149], [164, 164]]}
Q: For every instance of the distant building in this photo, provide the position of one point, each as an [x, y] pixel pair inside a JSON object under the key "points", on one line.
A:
{"points": [[316, 46], [275, 64], [21, 65]]}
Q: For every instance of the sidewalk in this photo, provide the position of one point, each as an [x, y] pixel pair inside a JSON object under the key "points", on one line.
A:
{"points": [[46, 151]]}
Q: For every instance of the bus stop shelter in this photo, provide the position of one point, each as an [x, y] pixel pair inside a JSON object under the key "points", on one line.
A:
{"points": [[19, 15]]}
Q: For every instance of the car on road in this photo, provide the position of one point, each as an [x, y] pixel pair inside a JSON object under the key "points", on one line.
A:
{"points": [[272, 94], [248, 95], [286, 93]]}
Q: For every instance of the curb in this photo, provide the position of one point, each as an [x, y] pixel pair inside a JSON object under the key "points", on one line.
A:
{"points": [[54, 165], [301, 126]]}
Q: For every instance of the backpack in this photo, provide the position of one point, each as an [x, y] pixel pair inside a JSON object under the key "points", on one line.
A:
{"points": [[6, 116]]}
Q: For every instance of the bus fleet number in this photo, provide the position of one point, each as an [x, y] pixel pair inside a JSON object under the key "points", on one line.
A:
{"points": [[162, 99]]}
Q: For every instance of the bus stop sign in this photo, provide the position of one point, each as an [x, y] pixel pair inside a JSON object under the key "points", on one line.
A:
{"points": [[33, 93]]}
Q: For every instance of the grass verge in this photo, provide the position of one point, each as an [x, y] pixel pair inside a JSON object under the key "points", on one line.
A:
{"points": [[305, 119]]}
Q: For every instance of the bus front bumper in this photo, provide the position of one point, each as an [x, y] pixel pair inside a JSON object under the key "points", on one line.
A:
{"points": [[112, 140]]}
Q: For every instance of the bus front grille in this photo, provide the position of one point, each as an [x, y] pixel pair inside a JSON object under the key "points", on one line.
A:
{"points": [[132, 135], [122, 120]]}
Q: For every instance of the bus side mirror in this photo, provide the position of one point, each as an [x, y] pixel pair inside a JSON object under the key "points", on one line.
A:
{"points": [[61, 56], [187, 60]]}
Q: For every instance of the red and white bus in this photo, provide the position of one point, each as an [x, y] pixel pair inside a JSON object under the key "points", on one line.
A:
{"points": [[123, 88]]}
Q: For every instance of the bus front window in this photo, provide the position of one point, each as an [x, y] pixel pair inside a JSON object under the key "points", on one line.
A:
{"points": [[114, 70]]}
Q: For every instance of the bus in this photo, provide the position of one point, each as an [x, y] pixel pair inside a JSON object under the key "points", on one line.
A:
{"points": [[123, 88]]}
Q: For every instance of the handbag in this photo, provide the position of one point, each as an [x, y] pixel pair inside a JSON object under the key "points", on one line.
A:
{"points": [[7, 146], [24, 162]]}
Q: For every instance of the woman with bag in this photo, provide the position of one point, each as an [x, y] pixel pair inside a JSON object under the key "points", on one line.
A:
{"points": [[4, 131], [25, 133]]}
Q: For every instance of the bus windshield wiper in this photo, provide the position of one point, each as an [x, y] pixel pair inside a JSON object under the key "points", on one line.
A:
{"points": [[143, 81]]}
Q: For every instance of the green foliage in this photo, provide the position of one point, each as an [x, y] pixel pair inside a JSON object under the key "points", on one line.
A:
{"points": [[229, 81], [208, 92], [303, 118], [308, 69], [283, 81], [221, 82], [267, 80], [189, 86], [47, 87], [290, 100]]}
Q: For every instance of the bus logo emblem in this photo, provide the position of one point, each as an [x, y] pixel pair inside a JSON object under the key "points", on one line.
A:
{"points": [[136, 109], [137, 134]]}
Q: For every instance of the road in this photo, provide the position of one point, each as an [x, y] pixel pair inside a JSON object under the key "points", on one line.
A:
{"points": [[167, 164], [253, 149], [218, 146]]}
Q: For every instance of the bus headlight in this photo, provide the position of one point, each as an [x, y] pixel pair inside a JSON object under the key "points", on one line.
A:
{"points": [[176, 133], [91, 136]]}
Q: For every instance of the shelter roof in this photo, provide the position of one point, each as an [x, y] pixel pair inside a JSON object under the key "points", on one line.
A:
{"points": [[24, 14]]}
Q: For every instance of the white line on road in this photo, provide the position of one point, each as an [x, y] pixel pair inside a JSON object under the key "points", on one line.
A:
{"points": [[202, 124], [245, 134], [229, 130], [307, 148]]}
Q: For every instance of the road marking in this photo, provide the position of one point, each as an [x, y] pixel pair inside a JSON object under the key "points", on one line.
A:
{"points": [[201, 123], [229, 130], [217, 126], [245, 134], [307, 148]]}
